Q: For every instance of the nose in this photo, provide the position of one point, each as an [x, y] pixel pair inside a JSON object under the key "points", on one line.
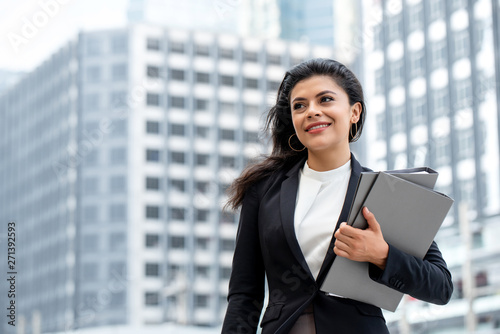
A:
{"points": [[313, 110]]}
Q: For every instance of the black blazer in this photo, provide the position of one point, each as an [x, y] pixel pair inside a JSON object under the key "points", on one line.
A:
{"points": [[266, 246]]}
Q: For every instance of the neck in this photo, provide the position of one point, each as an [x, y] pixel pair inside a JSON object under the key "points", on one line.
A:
{"points": [[324, 161]]}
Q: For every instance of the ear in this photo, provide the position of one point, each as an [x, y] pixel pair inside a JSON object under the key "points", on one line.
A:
{"points": [[356, 110]]}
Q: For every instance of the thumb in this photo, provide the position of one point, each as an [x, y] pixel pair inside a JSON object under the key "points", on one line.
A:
{"points": [[370, 218]]}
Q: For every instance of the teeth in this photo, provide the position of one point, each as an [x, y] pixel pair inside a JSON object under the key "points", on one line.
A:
{"points": [[318, 127]]}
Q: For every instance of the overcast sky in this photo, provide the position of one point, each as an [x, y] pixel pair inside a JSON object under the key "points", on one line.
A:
{"points": [[31, 30]]}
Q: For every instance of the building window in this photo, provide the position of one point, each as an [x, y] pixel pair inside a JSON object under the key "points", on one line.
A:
{"points": [[177, 130], [151, 299], [202, 159], [178, 157], [394, 27], [202, 77], [417, 63], [201, 104], [398, 119], [202, 187], [177, 242], [227, 107], [468, 192], [152, 99], [90, 214], [225, 272], [458, 4], [117, 184], [250, 56], [228, 162], [418, 111], [177, 47], [416, 17], [273, 85], [90, 243], [152, 71], [463, 94], [225, 53], [93, 74], [227, 217], [201, 301], [178, 213], [90, 272], [152, 155], [117, 212], [118, 99], [381, 126], [119, 44], [152, 240], [202, 271], [251, 137], [117, 241], [273, 59], [93, 47], [202, 50], [152, 269], [227, 245], [118, 155], [438, 53], [466, 144], [152, 183], [202, 243], [442, 151], [440, 102], [378, 37], [397, 73], [153, 44], [178, 75], [152, 212], [119, 72], [202, 215], [227, 134], [178, 185], [202, 131], [177, 102], [251, 109], [90, 186], [226, 80], [461, 44], [296, 60], [379, 81], [251, 83], [91, 102], [436, 9], [152, 127]]}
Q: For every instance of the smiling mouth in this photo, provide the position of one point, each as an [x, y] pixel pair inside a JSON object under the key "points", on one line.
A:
{"points": [[318, 127]]}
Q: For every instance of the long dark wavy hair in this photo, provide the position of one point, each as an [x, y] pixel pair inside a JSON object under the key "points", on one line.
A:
{"points": [[279, 123]]}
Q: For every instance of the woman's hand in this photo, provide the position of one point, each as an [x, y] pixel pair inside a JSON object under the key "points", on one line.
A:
{"points": [[362, 245]]}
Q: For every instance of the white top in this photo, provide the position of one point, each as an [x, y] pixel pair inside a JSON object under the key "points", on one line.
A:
{"points": [[320, 198]]}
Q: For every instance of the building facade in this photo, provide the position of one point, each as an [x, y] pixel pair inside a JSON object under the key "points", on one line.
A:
{"points": [[431, 75], [117, 153]]}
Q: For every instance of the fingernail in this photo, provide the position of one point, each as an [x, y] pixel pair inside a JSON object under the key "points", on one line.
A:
{"points": [[368, 211]]}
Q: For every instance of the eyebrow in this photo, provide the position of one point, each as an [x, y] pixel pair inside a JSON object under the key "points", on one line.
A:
{"points": [[317, 95]]}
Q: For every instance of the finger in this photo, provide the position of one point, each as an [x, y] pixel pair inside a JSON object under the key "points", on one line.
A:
{"points": [[347, 230], [370, 218]]}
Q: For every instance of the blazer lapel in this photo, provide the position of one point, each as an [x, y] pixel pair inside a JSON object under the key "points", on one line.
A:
{"points": [[288, 196], [356, 170]]}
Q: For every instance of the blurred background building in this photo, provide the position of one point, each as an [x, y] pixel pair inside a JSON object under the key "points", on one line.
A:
{"points": [[116, 151], [433, 66]]}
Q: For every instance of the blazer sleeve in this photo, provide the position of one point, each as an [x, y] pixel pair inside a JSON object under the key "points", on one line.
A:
{"points": [[246, 284], [427, 279]]}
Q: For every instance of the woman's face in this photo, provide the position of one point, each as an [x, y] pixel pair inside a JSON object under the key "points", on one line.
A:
{"points": [[321, 113]]}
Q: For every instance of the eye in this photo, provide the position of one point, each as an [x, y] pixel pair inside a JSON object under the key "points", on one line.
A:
{"points": [[298, 106], [326, 99]]}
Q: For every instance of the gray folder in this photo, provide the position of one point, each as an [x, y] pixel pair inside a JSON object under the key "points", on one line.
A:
{"points": [[409, 215]]}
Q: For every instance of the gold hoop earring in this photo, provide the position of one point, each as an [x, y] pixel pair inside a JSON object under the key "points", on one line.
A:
{"points": [[289, 144], [355, 133]]}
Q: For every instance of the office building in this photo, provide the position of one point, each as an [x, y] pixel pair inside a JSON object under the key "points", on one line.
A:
{"points": [[431, 74], [116, 153]]}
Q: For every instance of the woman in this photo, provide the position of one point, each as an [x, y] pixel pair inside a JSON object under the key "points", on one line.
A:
{"points": [[293, 205]]}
